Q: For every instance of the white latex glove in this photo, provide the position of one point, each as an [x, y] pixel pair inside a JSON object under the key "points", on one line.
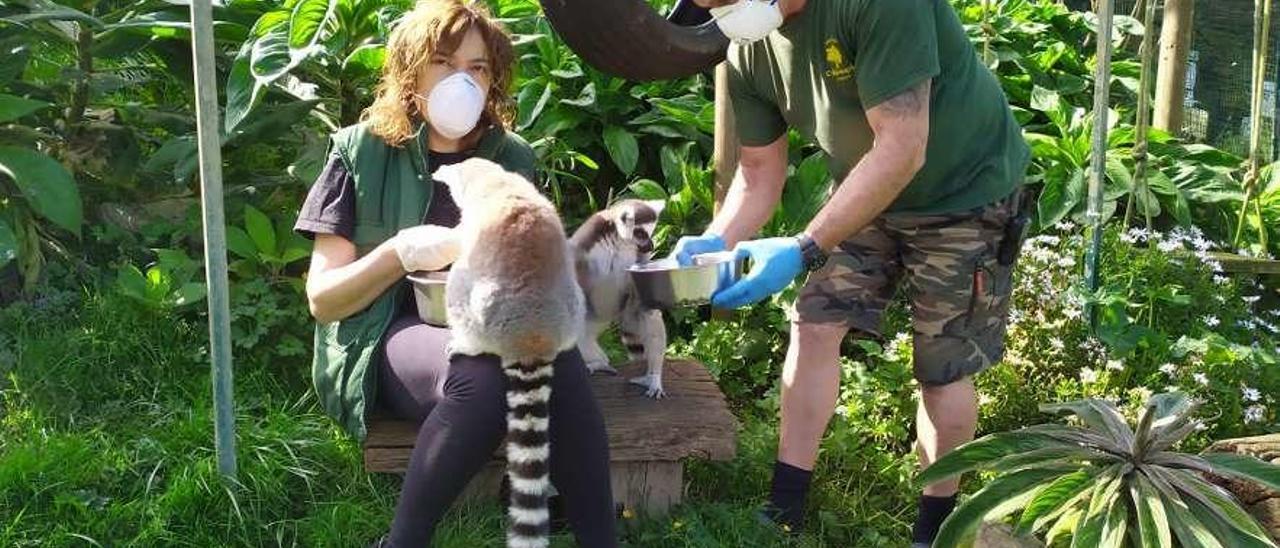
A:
{"points": [[426, 247]]}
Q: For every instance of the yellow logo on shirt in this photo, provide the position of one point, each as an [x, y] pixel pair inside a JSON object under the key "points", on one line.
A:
{"points": [[838, 68]]}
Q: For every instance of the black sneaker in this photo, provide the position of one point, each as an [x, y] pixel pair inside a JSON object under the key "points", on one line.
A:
{"points": [[382, 542], [770, 516]]}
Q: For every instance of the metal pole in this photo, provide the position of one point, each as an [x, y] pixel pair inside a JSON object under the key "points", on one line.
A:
{"points": [[1098, 160], [215, 235]]}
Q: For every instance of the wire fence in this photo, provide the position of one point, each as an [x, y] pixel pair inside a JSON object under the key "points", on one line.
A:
{"points": [[1219, 78]]}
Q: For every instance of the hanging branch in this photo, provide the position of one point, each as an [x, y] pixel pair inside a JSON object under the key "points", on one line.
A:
{"points": [[1098, 165], [1261, 39], [987, 31], [1146, 52]]}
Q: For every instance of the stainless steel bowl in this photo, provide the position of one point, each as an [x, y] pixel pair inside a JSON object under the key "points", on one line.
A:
{"points": [[428, 291], [663, 284]]}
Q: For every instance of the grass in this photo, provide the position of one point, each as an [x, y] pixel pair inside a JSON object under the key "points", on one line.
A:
{"points": [[106, 440]]}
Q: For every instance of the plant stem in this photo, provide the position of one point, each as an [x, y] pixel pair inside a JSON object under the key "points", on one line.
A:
{"points": [[80, 92]]}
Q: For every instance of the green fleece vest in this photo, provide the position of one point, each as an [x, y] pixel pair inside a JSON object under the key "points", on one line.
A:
{"points": [[393, 189]]}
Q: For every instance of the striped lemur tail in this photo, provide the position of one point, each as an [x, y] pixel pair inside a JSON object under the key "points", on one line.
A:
{"points": [[528, 452]]}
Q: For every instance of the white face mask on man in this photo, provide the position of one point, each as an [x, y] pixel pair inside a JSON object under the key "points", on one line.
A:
{"points": [[746, 21], [454, 105]]}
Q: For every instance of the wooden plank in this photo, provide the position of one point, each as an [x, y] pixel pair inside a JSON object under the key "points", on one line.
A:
{"points": [[692, 421], [647, 488], [1245, 265]]}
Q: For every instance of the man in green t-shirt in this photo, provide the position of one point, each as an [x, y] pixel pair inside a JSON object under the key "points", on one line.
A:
{"points": [[929, 162]]}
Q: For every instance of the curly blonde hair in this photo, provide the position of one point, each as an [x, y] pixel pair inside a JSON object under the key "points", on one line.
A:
{"points": [[431, 27]]}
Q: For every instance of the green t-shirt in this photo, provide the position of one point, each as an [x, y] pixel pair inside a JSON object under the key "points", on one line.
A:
{"points": [[835, 59]]}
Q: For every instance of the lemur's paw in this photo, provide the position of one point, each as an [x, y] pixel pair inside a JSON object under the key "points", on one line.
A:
{"points": [[601, 367], [652, 385]]}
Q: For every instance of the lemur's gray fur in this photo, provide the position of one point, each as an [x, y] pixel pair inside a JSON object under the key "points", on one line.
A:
{"points": [[605, 246], [512, 292]]}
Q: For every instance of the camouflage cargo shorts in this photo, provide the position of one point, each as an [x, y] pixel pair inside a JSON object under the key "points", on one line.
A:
{"points": [[959, 290]]}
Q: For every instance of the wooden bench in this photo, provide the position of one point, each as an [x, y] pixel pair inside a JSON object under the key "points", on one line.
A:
{"points": [[648, 439]]}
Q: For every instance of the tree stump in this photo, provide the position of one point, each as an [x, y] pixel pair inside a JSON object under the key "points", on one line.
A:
{"points": [[648, 439], [1262, 503]]}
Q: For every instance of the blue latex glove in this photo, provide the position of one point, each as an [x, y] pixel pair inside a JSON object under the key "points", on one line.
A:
{"points": [[689, 246], [776, 262]]}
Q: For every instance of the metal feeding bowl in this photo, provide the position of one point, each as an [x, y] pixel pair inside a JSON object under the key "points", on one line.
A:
{"points": [[428, 291], [663, 284]]}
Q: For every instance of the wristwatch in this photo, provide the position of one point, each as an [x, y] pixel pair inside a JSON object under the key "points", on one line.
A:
{"points": [[811, 253]]}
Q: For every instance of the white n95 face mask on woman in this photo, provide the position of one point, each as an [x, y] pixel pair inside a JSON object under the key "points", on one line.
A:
{"points": [[746, 21], [454, 105]]}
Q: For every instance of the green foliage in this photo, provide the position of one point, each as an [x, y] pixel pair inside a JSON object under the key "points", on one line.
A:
{"points": [[166, 284], [1130, 480]]}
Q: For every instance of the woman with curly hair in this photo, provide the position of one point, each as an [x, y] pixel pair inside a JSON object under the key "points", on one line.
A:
{"points": [[376, 214]]}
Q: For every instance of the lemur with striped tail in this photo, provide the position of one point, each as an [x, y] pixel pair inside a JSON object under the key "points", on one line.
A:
{"points": [[605, 246], [512, 292]]}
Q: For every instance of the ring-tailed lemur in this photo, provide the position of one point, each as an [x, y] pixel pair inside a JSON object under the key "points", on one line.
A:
{"points": [[607, 244], [512, 292]]}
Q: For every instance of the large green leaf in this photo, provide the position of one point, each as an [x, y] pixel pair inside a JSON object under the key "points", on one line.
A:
{"points": [[308, 17], [1116, 524], [1245, 467], [983, 452], [622, 147], [53, 12], [259, 228], [1153, 521], [1055, 497], [1077, 435], [48, 186], [365, 60], [243, 91], [239, 242], [1232, 524], [1059, 197], [962, 523], [13, 107], [1098, 415], [1049, 456], [1189, 530], [647, 189], [8, 244], [1089, 533]]}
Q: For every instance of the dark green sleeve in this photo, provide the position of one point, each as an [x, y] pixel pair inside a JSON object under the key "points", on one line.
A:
{"points": [[897, 45], [518, 156], [757, 120]]}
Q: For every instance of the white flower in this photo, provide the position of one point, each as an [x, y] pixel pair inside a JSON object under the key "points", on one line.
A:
{"points": [[1247, 324], [1275, 313], [1254, 413], [1169, 369], [1201, 378], [1211, 321], [1115, 365], [1201, 244], [1250, 394], [1057, 344], [1072, 313], [1142, 393], [1251, 298], [1065, 226], [1169, 246], [1088, 376], [1200, 426], [1221, 280], [1067, 262], [1221, 298]]}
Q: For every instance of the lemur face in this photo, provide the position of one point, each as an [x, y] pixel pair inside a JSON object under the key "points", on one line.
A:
{"points": [[637, 220]]}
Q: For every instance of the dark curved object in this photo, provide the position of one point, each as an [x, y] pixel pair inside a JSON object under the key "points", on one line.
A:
{"points": [[630, 40]]}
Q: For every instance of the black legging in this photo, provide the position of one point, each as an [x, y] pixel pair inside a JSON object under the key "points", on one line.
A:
{"points": [[463, 406]]}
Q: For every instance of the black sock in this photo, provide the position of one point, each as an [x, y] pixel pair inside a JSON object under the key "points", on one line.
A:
{"points": [[933, 511], [790, 486]]}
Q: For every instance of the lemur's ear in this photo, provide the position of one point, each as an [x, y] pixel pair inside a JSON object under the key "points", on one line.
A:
{"points": [[657, 206]]}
